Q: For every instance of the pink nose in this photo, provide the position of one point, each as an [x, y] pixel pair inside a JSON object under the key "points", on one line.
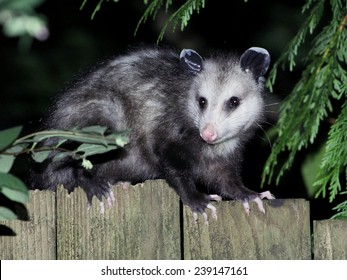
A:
{"points": [[209, 133]]}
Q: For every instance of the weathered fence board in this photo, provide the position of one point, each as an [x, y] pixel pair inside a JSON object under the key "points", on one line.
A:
{"points": [[330, 240], [147, 222], [35, 239], [143, 223], [282, 233]]}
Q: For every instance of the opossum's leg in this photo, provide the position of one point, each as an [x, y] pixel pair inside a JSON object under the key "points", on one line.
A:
{"points": [[175, 163], [190, 196]]}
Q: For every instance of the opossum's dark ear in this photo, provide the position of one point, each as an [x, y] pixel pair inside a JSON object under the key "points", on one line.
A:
{"points": [[255, 60], [191, 61]]}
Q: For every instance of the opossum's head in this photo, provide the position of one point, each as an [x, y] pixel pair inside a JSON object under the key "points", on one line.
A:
{"points": [[225, 100]]}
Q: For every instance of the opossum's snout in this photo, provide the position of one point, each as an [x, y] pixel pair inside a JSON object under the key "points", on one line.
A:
{"points": [[209, 133]]}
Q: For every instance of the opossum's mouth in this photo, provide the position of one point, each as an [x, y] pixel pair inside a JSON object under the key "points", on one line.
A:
{"points": [[218, 141]]}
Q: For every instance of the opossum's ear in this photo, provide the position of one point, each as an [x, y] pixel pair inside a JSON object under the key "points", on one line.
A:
{"points": [[255, 60], [191, 61]]}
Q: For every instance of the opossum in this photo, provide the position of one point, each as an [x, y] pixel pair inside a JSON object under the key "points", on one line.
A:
{"points": [[189, 119]]}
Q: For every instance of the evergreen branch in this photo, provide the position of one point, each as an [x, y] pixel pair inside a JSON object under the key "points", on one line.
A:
{"points": [[310, 102], [331, 43], [334, 161], [151, 11], [97, 8], [291, 50], [341, 209], [182, 14]]}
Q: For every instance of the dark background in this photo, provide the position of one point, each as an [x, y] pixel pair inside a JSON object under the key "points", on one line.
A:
{"points": [[30, 78]]}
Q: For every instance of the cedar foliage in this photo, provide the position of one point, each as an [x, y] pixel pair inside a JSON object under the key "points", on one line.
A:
{"points": [[319, 96]]}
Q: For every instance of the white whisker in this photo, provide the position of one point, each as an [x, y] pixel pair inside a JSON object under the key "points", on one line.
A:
{"points": [[267, 136]]}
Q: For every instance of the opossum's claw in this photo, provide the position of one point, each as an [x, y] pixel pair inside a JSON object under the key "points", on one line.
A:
{"points": [[215, 197], [110, 198], [246, 206], [102, 207], [267, 195], [258, 200], [204, 215], [124, 185], [213, 209]]}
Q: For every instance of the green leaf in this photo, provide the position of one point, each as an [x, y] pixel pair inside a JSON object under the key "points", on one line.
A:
{"points": [[40, 156], [6, 161], [13, 188], [95, 129], [61, 142], [23, 5], [7, 214], [61, 156], [92, 149], [8, 136]]}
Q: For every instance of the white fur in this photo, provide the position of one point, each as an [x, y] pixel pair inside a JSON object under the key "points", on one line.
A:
{"points": [[229, 125]]}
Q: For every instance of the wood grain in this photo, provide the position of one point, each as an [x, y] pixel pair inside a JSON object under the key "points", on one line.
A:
{"points": [[282, 233], [330, 239]]}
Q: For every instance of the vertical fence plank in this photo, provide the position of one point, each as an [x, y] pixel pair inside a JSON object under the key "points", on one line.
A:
{"points": [[330, 239], [143, 223], [34, 239], [282, 233]]}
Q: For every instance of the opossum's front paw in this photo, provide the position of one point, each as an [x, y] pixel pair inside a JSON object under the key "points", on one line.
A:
{"points": [[199, 206], [257, 199]]}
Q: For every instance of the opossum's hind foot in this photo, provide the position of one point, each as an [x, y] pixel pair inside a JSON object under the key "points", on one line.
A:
{"points": [[213, 209], [124, 185], [99, 188], [105, 191], [110, 199], [258, 200]]}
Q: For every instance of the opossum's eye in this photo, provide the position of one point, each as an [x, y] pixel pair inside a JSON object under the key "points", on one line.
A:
{"points": [[233, 102], [202, 101]]}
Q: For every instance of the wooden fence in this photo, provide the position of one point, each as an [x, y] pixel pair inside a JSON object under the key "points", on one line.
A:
{"points": [[148, 222]]}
